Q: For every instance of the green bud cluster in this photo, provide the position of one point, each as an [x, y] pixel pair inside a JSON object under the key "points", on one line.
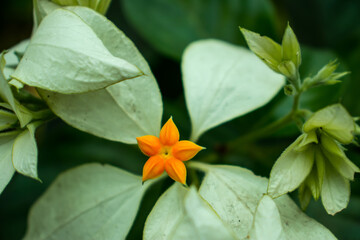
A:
{"points": [[284, 59], [325, 76], [318, 164]]}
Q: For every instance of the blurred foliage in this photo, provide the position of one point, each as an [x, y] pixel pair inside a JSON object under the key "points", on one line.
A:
{"points": [[326, 29]]}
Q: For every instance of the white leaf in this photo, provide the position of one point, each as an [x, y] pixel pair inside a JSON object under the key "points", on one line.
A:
{"points": [[167, 212], [6, 95], [41, 9], [122, 112], [335, 193], [234, 194], [7, 119], [24, 153], [182, 214], [267, 221], [334, 120], [12, 60], [92, 201], [6, 167], [224, 81], [290, 169], [66, 56]]}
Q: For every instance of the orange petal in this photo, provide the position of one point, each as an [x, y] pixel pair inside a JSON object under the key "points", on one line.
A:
{"points": [[185, 150], [149, 145], [169, 134], [153, 168], [176, 170]]}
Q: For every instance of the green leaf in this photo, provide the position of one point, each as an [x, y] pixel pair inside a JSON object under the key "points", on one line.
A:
{"points": [[7, 119], [267, 221], [160, 222], [183, 214], [41, 9], [304, 196], [290, 169], [224, 83], [335, 121], [336, 156], [12, 57], [169, 26], [307, 140], [234, 194], [291, 47], [65, 55], [6, 95], [335, 192], [325, 76], [6, 167], [122, 111], [24, 153], [265, 48], [288, 69], [92, 201]]}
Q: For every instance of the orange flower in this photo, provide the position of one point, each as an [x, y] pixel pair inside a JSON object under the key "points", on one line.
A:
{"points": [[167, 153]]}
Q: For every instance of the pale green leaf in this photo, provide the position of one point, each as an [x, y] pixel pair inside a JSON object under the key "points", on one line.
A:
{"points": [[5, 91], [121, 112], [6, 95], [12, 59], [290, 169], [320, 167], [288, 69], [224, 81], [7, 119], [41, 9], [24, 153], [335, 121], [335, 192], [291, 47], [234, 194], [307, 140], [92, 201], [160, 223], [336, 156], [183, 214], [6, 167], [200, 221], [66, 56], [265, 48], [305, 196], [267, 221], [313, 182]]}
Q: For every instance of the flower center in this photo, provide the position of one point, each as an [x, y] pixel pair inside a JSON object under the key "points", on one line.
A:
{"points": [[165, 152]]}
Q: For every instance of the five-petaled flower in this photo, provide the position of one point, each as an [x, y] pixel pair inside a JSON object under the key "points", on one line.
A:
{"points": [[167, 153]]}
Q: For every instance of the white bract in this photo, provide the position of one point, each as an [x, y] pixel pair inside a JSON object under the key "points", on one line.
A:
{"points": [[121, 112], [267, 221], [223, 81], [234, 200], [65, 55], [7, 169], [182, 214], [24, 153], [92, 201]]}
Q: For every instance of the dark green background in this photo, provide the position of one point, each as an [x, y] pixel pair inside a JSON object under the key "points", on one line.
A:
{"points": [[326, 29]]}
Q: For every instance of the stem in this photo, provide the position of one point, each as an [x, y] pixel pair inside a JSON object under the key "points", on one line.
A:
{"points": [[265, 131], [272, 127]]}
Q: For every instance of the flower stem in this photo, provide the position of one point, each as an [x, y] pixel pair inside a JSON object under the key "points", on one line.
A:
{"points": [[272, 127]]}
